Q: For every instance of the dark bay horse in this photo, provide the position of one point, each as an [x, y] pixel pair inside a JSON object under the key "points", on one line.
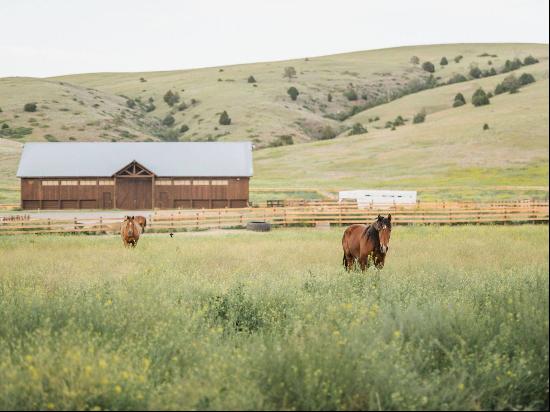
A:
{"points": [[363, 243], [130, 230]]}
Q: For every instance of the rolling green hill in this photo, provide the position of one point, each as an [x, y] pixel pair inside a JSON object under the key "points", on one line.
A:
{"points": [[447, 156]]}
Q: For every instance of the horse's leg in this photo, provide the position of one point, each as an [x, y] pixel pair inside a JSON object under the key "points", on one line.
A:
{"points": [[363, 262], [350, 260], [379, 261]]}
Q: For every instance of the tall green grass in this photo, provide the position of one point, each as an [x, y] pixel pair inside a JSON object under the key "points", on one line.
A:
{"points": [[458, 319]]}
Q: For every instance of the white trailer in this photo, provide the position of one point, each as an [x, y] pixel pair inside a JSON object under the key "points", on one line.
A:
{"points": [[366, 198]]}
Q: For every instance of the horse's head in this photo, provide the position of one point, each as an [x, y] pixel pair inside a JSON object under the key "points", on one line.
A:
{"points": [[130, 225], [383, 225]]}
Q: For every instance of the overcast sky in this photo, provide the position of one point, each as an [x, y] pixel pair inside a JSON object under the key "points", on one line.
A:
{"points": [[45, 38]]}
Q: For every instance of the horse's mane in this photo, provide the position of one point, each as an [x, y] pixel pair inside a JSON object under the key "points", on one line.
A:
{"points": [[371, 232]]}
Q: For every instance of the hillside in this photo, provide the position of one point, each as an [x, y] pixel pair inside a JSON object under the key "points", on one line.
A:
{"points": [[449, 149]]}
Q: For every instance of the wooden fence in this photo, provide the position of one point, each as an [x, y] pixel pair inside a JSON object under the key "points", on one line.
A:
{"points": [[306, 213]]}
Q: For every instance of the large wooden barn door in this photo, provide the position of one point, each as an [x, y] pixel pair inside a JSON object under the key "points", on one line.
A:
{"points": [[134, 188]]}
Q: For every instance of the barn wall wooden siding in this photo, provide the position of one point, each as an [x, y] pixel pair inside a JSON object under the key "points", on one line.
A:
{"points": [[145, 192]]}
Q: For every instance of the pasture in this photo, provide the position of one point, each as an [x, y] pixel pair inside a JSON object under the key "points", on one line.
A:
{"points": [[457, 319]]}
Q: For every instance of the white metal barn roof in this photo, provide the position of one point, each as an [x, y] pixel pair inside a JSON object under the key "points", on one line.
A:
{"points": [[189, 159]]}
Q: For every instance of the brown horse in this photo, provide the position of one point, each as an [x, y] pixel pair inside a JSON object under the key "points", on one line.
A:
{"points": [[363, 243], [140, 220], [130, 231]]}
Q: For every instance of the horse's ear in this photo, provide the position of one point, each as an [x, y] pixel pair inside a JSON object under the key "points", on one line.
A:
{"points": [[389, 217], [380, 218]]}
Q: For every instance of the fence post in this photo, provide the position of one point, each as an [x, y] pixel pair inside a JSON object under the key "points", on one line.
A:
{"points": [[219, 219], [75, 223], [49, 224], [100, 223]]}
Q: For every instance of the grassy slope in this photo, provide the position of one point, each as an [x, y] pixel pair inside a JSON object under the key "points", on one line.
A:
{"points": [[154, 328], [66, 111], [448, 153]]}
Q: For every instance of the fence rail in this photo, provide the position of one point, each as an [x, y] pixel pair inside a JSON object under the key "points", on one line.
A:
{"points": [[306, 213]]}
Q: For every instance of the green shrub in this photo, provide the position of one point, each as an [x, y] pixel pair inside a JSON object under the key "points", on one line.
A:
{"points": [[415, 60], [251, 79], [457, 78], [130, 103], [429, 67], [458, 58], [150, 107], [399, 121], [182, 106], [485, 126], [511, 65], [444, 61], [357, 128], [184, 128], [526, 78], [480, 98], [5, 126], [171, 98], [282, 140], [30, 107], [475, 71], [329, 97], [530, 60], [510, 84], [168, 120], [420, 117], [50, 138], [327, 133], [224, 120], [168, 135], [142, 79], [293, 93], [350, 94]]}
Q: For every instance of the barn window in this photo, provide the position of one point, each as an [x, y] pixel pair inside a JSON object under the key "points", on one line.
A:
{"points": [[201, 182], [69, 182], [179, 182], [50, 182], [220, 182], [87, 183], [163, 182], [106, 182]]}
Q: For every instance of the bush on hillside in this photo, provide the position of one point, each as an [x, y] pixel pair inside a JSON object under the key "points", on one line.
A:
{"points": [[130, 103], [419, 117], [415, 60], [357, 128], [168, 120], [30, 107], [350, 94], [5, 126], [251, 79], [293, 93], [511, 65], [399, 121], [458, 58], [457, 78], [182, 106], [530, 60], [509, 84], [329, 97], [475, 71], [480, 98], [171, 98], [327, 133], [485, 126], [184, 128], [224, 120], [282, 140], [526, 78], [444, 61], [429, 67]]}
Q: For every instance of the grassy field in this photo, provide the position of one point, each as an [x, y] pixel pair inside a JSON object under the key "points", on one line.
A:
{"points": [[458, 319], [448, 156]]}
